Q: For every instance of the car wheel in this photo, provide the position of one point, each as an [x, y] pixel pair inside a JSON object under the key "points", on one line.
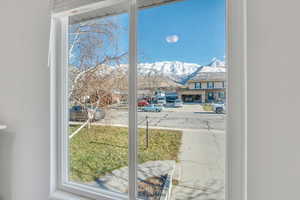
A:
{"points": [[219, 110]]}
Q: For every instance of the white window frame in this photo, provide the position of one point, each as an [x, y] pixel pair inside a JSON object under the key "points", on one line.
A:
{"points": [[236, 123]]}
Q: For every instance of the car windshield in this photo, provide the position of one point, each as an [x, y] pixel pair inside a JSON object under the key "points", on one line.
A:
{"points": [[76, 108]]}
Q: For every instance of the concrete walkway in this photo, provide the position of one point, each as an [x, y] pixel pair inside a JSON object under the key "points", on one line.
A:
{"points": [[201, 168], [117, 181]]}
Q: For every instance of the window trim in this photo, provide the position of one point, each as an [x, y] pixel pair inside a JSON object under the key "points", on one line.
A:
{"points": [[236, 140], [132, 106], [60, 188], [236, 124]]}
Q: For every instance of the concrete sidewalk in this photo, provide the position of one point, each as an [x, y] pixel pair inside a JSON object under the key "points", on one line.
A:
{"points": [[117, 181], [201, 169]]}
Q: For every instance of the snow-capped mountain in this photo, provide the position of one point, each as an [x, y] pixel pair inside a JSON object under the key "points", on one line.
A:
{"points": [[168, 68], [217, 63], [176, 71], [180, 72]]}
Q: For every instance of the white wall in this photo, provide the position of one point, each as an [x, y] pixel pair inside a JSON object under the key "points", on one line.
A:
{"points": [[24, 98], [274, 135], [274, 97]]}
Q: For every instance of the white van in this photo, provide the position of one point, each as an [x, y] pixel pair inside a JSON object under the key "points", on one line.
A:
{"points": [[161, 101]]}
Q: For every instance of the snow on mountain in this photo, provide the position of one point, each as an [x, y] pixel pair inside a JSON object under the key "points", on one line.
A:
{"points": [[168, 68], [180, 72], [211, 69], [176, 71], [217, 63]]}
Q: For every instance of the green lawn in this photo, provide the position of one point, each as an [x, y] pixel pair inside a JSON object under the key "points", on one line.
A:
{"points": [[102, 149], [207, 107]]}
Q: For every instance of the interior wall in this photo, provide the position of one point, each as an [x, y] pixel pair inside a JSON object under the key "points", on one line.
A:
{"points": [[24, 99], [273, 99]]}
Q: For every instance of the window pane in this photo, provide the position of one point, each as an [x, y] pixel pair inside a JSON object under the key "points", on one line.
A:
{"points": [[98, 106], [197, 85], [181, 122]]}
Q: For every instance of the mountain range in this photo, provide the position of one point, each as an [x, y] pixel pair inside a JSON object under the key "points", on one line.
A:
{"points": [[179, 72]]}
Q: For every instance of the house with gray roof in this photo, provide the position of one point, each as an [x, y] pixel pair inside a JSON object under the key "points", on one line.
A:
{"points": [[208, 85]]}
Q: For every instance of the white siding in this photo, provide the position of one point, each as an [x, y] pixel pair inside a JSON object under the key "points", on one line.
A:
{"points": [[218, 84], [191, 86]]}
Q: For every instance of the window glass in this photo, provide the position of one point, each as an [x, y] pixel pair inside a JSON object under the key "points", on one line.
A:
{"points": [[181, 131], [197, 85], [180, 136], [210, 84], [98, 102]]}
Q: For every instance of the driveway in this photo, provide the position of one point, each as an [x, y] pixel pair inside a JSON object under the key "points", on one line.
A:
{"points": [[201, 168]]}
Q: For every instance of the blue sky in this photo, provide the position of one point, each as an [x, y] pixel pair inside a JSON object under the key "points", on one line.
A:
{"points": [[188, 31], [198, 25]]}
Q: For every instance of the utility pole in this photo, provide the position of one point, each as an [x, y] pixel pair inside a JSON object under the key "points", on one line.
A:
{"points": [[147, 132]]}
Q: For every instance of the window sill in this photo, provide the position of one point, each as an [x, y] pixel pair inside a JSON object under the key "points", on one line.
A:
{"points": [[66, 195], [60, 195]]}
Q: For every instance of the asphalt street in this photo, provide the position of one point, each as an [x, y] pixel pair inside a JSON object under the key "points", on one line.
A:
{"points": [[186, 117]]}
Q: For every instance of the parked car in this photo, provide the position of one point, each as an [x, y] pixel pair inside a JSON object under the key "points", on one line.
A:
{"points": [[123, 102], [80, 113], [143, 103], [219, 108], [161, 101], [152, 108], [178, 103]]}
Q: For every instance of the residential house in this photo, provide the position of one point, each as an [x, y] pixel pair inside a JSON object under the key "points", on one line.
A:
{"points": [[207, 86]]}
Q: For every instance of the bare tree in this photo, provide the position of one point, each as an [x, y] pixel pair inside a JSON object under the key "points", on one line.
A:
{"points": [[94, 51]]}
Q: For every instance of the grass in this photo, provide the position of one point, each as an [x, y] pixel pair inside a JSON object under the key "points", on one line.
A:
{"points": [[99, 150], [207, 107]]}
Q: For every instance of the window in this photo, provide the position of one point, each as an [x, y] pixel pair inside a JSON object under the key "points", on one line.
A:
{"points": [[114, 135], [210, 97], [210, 84], [197, 85], [222, 95], [218, 84]]}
